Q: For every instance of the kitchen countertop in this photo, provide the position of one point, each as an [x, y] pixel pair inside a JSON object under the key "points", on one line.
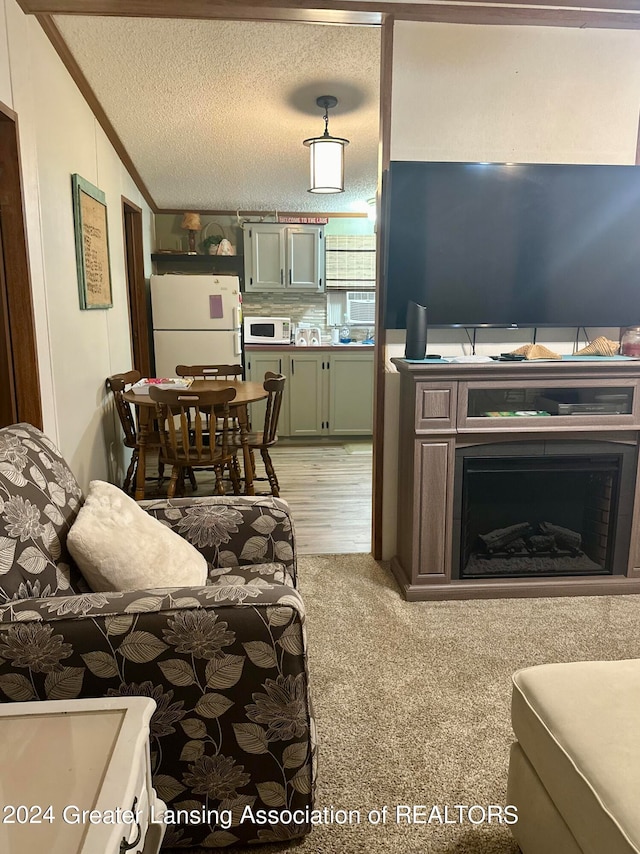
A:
{"points": [[253, 348]]}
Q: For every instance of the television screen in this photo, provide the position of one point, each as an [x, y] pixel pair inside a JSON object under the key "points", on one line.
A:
{"points": [[513, 245]]}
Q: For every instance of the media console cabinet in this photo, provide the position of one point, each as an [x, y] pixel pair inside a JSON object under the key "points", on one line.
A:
{"points": [[518, 479]]}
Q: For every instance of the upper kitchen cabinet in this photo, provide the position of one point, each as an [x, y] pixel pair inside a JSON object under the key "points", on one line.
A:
{"points": [[284, 257]]}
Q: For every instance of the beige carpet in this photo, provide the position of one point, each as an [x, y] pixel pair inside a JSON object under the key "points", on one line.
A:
{"points": [[412, 699]]}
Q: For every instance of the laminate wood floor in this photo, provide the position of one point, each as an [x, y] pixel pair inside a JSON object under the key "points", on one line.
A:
{"points": [[328, 488]]}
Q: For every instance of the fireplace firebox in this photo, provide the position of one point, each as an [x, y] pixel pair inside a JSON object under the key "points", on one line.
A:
{"points": [[541, 509]]}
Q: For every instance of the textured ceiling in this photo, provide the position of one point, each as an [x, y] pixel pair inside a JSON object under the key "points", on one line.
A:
{"points": [[213, 113]]}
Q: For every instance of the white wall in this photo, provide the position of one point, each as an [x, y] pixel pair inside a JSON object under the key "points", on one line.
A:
{"points": [[500, 94], [77, 350]]}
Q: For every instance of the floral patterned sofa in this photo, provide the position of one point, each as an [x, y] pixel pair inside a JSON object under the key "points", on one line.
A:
{"points": [[226, 663]]}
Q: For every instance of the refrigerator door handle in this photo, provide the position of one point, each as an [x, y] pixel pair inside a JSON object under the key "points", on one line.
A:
{"points": [[237, 344], [237, 321]]}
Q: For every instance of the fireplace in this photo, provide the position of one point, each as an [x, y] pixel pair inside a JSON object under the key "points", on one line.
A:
{"points": [[542, 509]]}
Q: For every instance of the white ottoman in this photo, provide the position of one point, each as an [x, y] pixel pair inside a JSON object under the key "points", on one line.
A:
{"points": [[574, 772]]}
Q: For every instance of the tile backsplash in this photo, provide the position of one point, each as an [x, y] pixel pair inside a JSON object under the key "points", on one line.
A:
{"points": [[301, 308]]}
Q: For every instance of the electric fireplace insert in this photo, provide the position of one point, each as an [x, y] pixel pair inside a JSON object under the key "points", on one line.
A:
{"points": [[540, 509]]}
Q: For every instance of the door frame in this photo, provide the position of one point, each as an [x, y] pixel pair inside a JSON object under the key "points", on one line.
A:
{"points": [[21, 368], [136, 287]]}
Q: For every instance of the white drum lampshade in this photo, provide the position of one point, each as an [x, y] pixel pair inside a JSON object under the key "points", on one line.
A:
{"points": [[326, 155]]}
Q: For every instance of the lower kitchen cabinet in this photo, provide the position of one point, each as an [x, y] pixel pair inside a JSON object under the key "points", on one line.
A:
{"points": [[257, 364], [307, 394], [350, 394], [327, 394]]}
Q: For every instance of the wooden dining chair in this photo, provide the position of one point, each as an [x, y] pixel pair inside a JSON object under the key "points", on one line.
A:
{"points": [[213, 372], [262, 441], [182, 415], [117, 385], [210, 372]]}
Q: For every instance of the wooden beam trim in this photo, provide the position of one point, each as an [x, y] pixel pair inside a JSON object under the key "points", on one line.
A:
{"points": [[60, 46], [243, 213], [217, 8], [447, 13], [386, 74], [613, 14]]}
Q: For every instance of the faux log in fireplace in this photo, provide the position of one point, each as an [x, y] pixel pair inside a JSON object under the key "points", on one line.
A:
{"points": [[518, 479], [544, 509]]}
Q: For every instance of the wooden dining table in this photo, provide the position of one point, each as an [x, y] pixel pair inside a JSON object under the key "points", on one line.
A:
{"points": [[246, 393]]}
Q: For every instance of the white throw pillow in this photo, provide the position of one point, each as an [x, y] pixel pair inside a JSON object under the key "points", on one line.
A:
{"points": [[118, 546]]}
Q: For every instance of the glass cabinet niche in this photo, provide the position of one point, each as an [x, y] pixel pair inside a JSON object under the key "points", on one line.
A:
{"points": [[502, 400]]}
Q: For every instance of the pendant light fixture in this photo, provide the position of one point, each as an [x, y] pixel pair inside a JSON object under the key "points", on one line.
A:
{"points": [[327, 154]]}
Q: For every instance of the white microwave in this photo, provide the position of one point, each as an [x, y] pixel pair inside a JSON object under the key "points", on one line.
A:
{"points": [[267, 330]]}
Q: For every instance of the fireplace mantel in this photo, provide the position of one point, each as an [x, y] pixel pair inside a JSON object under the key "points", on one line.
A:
{"points": [[446, 406]]}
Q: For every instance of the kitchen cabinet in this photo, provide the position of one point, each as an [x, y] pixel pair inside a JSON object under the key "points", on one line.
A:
{"points": [[350, 394], [284, 257], [307, 403], [327, 393], [257, 364]]}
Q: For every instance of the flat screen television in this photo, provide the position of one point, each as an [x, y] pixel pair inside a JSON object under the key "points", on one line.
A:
{"points": [[530, 245]]}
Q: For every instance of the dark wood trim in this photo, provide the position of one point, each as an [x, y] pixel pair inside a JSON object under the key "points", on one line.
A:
{"points": [[386, 70], [322, 12], [136, 287], [613, 14], [19, 299], [60, 46], [130, 204], [8, 406], [243, 213], [216, 8]]}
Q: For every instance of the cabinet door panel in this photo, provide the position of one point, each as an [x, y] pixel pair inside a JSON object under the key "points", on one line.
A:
{"points": [[257, 365], [266, 250], [304, 258], [351, 394], [306, 382]]}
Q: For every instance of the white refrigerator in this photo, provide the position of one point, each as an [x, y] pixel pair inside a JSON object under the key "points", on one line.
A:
{"points": [[196, 321]]}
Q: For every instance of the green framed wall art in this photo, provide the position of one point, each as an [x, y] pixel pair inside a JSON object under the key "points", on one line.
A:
{"points": [[92, 244]]}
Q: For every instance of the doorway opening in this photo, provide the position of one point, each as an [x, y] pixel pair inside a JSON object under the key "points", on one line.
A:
{"points": [[136, 287], [19, 380]]}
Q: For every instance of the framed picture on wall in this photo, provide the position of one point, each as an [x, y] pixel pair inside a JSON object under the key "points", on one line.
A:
{"points": [[92, 244]]}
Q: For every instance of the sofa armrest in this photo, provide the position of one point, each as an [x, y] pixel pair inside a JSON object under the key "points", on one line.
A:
{"points": [[232, 530], [232, 729], [252, 585]]}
